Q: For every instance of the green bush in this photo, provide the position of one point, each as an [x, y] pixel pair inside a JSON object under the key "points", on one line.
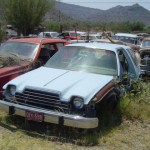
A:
{"points": [[136, 106]]}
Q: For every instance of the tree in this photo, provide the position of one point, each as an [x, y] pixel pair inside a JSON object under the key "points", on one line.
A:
{"points": [[25, 15]]}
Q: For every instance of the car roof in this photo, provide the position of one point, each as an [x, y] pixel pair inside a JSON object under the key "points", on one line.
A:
{"points": [[127, 35], [37, 40], [107, 46]]}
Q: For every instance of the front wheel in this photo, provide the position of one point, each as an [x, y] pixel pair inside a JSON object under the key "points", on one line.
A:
{"points": [[108, 103]]}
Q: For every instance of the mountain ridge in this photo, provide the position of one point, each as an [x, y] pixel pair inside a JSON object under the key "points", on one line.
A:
{"points": [[134, 13]]}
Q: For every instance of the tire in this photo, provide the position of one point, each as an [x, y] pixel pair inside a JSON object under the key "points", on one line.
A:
{"points": [[111, 101], [108, 103]]}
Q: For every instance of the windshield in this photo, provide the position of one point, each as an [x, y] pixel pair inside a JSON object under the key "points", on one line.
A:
{"points": [[84, 59], [20, 49], [127, 39], [54, 34], [146, 43]]}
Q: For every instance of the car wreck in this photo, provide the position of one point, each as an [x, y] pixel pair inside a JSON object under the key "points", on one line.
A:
{"points": [[71, 88], [20, 55], [145, 58], [145, 62]]}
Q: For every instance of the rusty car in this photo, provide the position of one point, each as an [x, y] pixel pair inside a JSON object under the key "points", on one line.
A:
{"points": [[77, 82], [20, 55]]}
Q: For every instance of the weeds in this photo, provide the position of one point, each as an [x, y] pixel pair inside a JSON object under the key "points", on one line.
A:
{"points": [[136, 106]]}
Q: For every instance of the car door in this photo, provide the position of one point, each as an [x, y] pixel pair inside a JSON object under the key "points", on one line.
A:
{"points": [[129, 72], [128, 63]]}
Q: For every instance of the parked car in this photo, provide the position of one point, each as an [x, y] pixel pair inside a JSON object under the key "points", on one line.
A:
{"points": [[69, 35], [145, 57], [144, 35], [21, 55], [71, 88], [51, 34], [128, 38], [145, 42], [86, 38], [10, 31], [145, 62]]}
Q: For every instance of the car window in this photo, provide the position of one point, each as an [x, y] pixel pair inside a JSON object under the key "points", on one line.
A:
{"points": [[54, 34], [146, 43], [64, 34], [134, 58], [85, 59], [123, 62], [126, 62], [59, 45], [20, 49], [51, 48]]}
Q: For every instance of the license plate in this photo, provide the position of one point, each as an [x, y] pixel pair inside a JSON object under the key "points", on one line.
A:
{"points": [[34, 116]]}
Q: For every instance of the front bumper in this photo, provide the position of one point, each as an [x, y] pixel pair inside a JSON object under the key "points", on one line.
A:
{"points": [[51, 116]]}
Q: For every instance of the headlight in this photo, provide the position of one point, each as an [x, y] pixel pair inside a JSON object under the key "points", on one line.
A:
{"points": [[12, 89], [78, 102]]}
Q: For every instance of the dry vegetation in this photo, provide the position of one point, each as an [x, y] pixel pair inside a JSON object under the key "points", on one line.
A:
{"points": [[128, 127], [9, 60]]}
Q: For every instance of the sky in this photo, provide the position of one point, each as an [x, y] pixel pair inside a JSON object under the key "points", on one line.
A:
{"points": [[106, 4]]}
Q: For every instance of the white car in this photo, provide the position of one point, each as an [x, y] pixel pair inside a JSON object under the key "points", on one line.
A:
{"points": [[128, 38], [49, 34], [86, 38], [74, 85]]}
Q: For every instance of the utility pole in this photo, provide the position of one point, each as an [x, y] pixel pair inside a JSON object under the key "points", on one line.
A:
{"points": [[0, 34], [59, 19]]}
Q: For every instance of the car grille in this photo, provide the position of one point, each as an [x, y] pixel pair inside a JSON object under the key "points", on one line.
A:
{"points": [[145, 62], [42, 99]]}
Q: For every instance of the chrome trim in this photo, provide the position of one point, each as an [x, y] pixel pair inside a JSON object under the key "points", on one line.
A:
{"points": [[104, 95], [52, 116]]}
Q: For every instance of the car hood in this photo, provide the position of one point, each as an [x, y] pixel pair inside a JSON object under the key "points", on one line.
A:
{"points": [[65, 82], [5, 70], [8, 70]]}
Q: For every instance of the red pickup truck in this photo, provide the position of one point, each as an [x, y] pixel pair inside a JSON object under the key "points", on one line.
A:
{"points": [[20, 55]]}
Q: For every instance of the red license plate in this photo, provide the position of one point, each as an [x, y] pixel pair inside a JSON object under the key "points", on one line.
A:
{"points": [[34, 116]]}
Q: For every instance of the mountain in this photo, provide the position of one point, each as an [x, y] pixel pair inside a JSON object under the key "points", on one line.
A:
{"points": [[132, 13], [63, 11]]}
